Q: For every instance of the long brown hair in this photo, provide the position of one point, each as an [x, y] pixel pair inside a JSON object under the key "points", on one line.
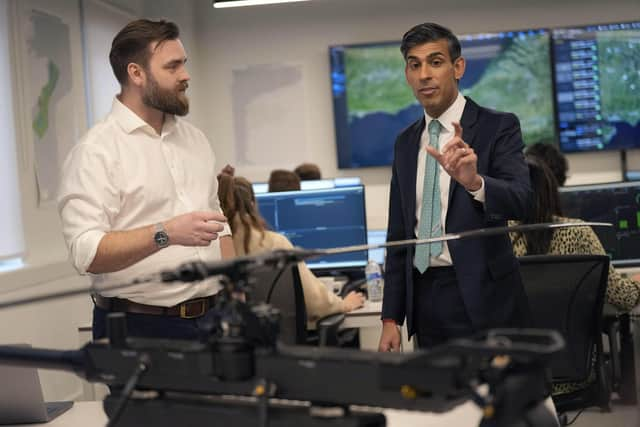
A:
{"points": [[238, 202], [545, 204]]}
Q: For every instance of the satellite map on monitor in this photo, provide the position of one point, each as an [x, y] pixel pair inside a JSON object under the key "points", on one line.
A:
{"points": [[507, 71], [598, 86]]}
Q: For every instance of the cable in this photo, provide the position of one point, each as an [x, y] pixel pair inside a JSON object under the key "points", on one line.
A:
{"points": [[575, 417], [141, 367]]}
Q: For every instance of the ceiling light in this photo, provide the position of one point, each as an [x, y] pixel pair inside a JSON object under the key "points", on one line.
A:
{"points": [[238, 3]]}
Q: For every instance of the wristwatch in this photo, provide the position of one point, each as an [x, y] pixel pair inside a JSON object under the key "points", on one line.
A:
{"points": [[161, 237]]}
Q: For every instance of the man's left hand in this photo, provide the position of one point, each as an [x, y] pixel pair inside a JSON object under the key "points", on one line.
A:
{"points": [[459, 160]]}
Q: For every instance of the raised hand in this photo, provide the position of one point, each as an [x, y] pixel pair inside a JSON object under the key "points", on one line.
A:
{"points": [[459, 160], [195, 228]]}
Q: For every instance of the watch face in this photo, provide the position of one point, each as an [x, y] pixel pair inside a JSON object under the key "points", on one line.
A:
{"points": [[161, 238]]}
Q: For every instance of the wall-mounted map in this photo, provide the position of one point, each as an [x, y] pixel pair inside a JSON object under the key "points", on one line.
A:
{"points": [[51, 78]]}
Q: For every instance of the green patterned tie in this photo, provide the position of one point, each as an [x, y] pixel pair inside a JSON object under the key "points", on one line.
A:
{"points": [[430, 211]]}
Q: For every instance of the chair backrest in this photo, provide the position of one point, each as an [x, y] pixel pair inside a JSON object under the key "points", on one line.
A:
{"points": [[287, 296], [566, 293]]}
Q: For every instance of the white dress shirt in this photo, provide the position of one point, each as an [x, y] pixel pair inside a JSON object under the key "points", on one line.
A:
{"points": [[452, 114], [123, 175]]}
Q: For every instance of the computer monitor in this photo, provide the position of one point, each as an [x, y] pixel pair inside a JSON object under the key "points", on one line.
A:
{"points": [[508, 71], [597, 86], [617, 203], [315, 184], [260, 187], [511, 71], [319, 219], [377, 237]]}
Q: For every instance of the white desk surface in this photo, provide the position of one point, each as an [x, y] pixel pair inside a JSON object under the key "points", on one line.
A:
{"points": [[91, 414], [366, 316], [367, 319]]}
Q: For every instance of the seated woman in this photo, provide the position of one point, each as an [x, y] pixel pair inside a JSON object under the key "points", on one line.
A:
{"points": [[250, 235], [622, 292]]}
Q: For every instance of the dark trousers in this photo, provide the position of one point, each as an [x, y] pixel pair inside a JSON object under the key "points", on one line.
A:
{"points": [[439, 311], [155, 326]]}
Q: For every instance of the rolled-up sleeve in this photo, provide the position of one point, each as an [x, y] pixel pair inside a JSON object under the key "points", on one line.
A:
{"points": [[87, 201]]}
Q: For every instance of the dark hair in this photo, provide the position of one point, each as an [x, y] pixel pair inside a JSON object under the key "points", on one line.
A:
{"points": [[308, 171], [546, 204], [131, 44], [548, 153], [238, 202], [283, 180], [430, 32]]}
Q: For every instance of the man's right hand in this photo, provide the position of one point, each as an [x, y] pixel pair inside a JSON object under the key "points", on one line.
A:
{"points": [[390, 338], [195, 228]]}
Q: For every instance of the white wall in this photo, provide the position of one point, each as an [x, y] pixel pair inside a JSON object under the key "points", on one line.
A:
{"points": [[300, 33]]}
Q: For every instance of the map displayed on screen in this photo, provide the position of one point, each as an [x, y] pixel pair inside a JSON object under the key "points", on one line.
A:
{"points": [[598, 86], [509, 71]]}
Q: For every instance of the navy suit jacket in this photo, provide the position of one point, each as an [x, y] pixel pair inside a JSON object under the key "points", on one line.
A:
{"points": [[486, 269]]}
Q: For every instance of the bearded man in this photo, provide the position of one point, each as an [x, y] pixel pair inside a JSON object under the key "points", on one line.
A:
{"points": [[139, 193]]}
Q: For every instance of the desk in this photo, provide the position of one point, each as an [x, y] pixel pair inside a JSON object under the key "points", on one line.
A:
{"points": [[367, 319]]}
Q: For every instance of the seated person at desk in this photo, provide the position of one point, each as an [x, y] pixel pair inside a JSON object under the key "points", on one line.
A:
{"points": [[250, 235], [549, 154], [308, 172], [622, 292], [283, 180]]}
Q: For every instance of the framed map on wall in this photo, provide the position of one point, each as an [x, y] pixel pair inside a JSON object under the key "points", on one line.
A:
{"points": [[51, 76]]}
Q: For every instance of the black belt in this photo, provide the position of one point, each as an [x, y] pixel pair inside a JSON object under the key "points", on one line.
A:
{"points": [[187, 310]]}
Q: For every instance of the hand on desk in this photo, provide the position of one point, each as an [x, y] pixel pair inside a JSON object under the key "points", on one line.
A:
{"points": [[390, 338], [353, 300]]}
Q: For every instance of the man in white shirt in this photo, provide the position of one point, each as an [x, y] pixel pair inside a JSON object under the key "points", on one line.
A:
{"points": [[139, 192]]}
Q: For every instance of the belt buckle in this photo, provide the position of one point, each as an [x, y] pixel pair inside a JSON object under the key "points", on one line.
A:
{"points": [[183, 308]]}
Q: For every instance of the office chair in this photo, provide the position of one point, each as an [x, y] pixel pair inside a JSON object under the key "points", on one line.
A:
{"points": [[287, 296], [617, 328], [566, 293]]}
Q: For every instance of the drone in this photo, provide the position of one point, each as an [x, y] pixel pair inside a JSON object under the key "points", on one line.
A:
{"points": [[241, 374]]}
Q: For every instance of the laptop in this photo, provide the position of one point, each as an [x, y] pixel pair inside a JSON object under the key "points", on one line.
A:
{"points": [[21, 399]]}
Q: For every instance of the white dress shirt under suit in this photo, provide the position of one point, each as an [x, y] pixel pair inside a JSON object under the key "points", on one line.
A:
{"points": [[452, 114]]}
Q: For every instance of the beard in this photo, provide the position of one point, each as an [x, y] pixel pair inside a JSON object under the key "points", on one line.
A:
{"points": [[166, 100]]}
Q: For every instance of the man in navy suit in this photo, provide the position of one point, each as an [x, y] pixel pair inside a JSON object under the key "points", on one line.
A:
{"points": [[462, 172]]}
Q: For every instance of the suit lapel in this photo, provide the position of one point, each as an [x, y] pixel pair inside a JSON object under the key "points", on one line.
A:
{"points": [[407, 171], [468, 123]]}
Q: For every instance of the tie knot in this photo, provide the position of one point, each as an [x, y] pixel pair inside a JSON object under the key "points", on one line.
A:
{"points": [[434, 132]]}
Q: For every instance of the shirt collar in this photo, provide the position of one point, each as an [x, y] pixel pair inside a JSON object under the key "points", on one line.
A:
{"points": [[130, 121], [451, 114]]}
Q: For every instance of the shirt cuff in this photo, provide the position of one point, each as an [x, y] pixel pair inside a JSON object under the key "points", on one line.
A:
{"points": [[84, 250], [479, 193]]}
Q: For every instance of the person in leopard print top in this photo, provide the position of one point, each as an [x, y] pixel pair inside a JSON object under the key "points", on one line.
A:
{"points": [[622, 292]]}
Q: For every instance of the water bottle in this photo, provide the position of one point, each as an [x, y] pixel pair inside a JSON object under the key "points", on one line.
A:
{"points": [[373, 275]]}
